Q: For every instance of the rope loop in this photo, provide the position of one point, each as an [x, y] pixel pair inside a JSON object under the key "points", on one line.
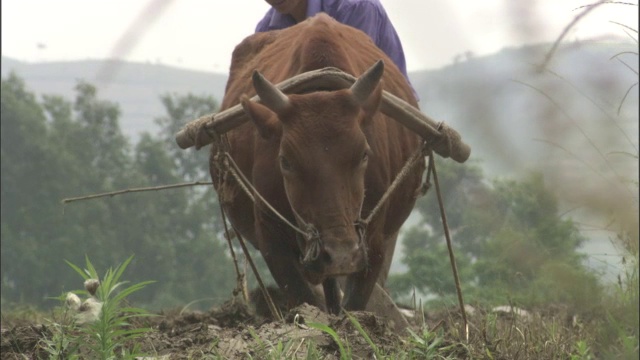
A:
{"points": [[308, 235], [361, 229], [314, 247]]}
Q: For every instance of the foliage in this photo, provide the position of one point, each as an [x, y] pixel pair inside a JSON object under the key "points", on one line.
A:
{"points": [[113, 326], [111, 334], [54, 149], [364, 334], [618, 333], [62, 344], [192, 164], [513, 245], [510, 244], [424, 345], [345, 351]]}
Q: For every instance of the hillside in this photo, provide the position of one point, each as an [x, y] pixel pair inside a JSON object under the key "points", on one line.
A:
{"points": [[503, 106], [497, 97], [136, 87]]}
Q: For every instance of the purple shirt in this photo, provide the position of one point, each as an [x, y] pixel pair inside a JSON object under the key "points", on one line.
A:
{"points": [[366, 15]]}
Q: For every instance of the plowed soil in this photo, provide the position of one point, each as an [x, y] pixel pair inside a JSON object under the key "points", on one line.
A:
{"points": [[231, 331]]}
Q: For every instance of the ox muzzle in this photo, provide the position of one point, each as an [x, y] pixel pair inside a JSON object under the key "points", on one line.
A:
{"points": [[331, 252]]}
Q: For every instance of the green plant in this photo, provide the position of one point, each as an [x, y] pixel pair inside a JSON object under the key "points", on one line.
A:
{"points": [[345, 352], [312, 351], [62, 344], [426, 345], [581, 351], [78, 143], [106, 335], [364, 334], [619, 331]]}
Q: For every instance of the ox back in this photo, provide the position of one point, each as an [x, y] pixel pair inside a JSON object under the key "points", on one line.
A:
{"points": [[322, 158]]}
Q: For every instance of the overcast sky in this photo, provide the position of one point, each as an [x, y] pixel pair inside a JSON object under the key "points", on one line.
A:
{"points": [[201, 34]]}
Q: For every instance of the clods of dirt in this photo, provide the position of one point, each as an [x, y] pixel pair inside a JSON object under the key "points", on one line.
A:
{"points": [[233, 331]]}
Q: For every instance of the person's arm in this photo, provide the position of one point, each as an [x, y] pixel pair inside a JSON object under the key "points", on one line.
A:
{"points": [[374, 22], [273, 20], [263, 25]]}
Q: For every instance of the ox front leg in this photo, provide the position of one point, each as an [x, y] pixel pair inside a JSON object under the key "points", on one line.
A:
{"points": [[282, 263], [360, 285], [291, 282]]}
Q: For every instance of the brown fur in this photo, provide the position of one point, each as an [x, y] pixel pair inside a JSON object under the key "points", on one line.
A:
{"points": [[323, 136]]}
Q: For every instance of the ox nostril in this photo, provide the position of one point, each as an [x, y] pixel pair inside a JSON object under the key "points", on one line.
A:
{"points": [[326, 258], [338, 257]]}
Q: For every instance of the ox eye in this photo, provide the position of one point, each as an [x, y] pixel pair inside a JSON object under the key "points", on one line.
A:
{"points": [[362, 161], [365, 157], [284, 164]]}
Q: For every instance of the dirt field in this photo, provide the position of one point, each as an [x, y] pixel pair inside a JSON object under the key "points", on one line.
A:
{"points": [[237, 331], [232, 331]]}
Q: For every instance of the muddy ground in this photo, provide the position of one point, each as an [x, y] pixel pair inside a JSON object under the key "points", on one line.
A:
{"points": [[231, 331], [236, 330]]}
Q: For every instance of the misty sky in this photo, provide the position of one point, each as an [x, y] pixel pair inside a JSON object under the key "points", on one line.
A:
{"points": [[201, 34]]}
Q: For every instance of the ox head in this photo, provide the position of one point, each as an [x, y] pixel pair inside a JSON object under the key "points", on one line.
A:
{"points": [[323, 157]]}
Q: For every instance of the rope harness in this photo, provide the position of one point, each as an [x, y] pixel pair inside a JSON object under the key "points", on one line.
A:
{"points": [[310, 234], [307, 233]]}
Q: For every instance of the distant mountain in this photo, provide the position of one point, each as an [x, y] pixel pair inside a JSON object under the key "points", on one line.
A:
{"points": [[504, 104], [136, 87], [499, 103]]}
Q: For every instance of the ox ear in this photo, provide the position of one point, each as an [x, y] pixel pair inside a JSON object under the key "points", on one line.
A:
{"points": [[372, 104], [266, 121]]}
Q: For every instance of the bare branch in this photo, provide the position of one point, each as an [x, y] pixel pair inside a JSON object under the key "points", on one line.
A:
{"points": [[126, 191], [625, 26], [623, 53], [628, 66], [625, 97], [587, 10]]}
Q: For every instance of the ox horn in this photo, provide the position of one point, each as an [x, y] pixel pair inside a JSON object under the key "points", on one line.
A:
{"points": [[367, 82], [270, 95]]}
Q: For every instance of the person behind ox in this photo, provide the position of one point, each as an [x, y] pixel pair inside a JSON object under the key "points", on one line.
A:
{"points": [[366, 15]]}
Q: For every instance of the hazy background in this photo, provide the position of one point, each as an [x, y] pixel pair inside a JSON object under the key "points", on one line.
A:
{"points": [[200, 34], [474, 64]]}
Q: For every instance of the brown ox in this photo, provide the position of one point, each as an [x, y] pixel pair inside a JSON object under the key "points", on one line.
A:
{"points": [[323, 159]]}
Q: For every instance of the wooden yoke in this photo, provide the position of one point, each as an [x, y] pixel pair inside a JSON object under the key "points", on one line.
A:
{"points": [[444, 140]]}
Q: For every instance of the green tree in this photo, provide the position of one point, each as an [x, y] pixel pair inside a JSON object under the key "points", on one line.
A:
{"points": [[24, 194], [509, 240], [51, 151], [58, 149], [187, 220], [192, 164]]}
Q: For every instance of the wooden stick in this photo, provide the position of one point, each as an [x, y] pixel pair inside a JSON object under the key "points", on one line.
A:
{"points": [[445, 141], [126, 191], [452, 258]]}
